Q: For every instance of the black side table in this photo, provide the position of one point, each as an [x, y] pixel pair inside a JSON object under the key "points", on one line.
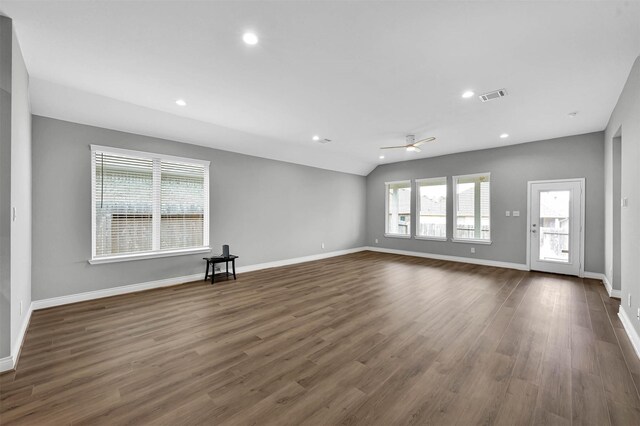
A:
{"points": [[211, 261]]}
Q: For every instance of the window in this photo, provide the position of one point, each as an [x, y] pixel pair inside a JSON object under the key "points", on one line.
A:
{"points": [[431, 205], [398, 209], [147, 205], [472, 208]]}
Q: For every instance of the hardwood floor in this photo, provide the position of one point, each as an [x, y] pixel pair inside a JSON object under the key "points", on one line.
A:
{"points": [[366, 338]]}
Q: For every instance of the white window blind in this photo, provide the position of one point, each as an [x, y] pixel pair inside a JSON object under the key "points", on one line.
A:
{"points": [[145, 204], [182, 205]]}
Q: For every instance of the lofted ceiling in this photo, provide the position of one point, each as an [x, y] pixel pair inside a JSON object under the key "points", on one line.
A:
{"points": [[363, 74]]}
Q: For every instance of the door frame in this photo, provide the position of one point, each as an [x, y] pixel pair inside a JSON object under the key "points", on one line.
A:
{"points": [[582, 182]]}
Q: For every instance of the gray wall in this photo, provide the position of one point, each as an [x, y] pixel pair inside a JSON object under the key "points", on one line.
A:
{"points": [[625, 122], [511, 168], [616, 282], [266, 210]]}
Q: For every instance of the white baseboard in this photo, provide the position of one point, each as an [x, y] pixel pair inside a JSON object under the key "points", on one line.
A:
{"points": [[508, 265], [605, 281], [295, 260], [6, 363], [114, 291], [9, 362], [631, 332], [133, 288]]}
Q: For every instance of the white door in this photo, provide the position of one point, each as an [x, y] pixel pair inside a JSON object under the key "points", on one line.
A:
{"points": [[556, 211]]}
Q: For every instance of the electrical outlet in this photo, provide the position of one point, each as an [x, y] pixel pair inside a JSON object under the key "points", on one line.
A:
{"points": [[629, 301], [322, 245], [625, 202], [473, 250], [376, 241]]}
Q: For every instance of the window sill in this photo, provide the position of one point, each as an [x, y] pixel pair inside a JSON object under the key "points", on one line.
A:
{"points": [[421, 237], [147, 255], [456, 240], [397, 236]]}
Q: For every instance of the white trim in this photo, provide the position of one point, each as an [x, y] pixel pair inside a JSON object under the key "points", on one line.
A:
{"points": [[9, 363], [93, 205], [434, 181], [583, 207], [6, 364], [386, 209], [508, 265], [393, 182], [293, 261], [156, 170], [470, 241], [631, 332], [419, 237], [454, 215], [148, 155], [148, 255], [114, 291], [133, 288], [607, 285]]}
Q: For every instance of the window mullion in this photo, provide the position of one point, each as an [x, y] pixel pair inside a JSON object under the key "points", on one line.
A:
{"points": [[157, 199]]}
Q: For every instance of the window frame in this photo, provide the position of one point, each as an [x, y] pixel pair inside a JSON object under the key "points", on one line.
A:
{"points": [[418, 208], [386, 209], [454, 182], [156, 205]]}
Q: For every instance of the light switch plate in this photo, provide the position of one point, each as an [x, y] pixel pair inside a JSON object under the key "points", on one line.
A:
{"points": [[625, 202], [516, 213], [507, 213]]}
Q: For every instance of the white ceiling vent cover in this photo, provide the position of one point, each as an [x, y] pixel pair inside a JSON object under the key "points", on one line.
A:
{"points": [[496, 94]]}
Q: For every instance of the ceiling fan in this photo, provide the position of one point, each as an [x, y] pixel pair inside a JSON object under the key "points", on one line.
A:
{"points": [[411, 145]]}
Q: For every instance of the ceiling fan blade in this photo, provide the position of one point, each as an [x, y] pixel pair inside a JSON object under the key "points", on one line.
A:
{"points": [[421, 141], [393, 147]]}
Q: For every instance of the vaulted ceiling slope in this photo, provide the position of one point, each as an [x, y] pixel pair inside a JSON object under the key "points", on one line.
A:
{"points": [[363, 74]]}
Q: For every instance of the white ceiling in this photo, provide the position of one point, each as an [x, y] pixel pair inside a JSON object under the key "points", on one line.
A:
{"points": [[363, 74]]}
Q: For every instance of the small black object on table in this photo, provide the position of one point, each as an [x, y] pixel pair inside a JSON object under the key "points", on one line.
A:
{"points": [[211, 261]]}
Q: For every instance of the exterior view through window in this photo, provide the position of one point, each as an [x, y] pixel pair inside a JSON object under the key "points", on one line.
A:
{"points": [[472, 207], [398, 208], [432, 208]]}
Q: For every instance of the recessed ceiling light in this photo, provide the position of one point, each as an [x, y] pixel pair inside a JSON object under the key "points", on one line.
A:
{"points": [[382, 157], [181, 102], [573, 114], [316, 138], [411, 149], [467, 94], [250, 38], [504, 136]]}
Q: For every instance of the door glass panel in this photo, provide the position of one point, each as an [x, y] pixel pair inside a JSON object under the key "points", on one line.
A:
{"points": [[554, 225]]}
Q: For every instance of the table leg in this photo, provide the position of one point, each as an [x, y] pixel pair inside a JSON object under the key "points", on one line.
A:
{"points": [[213, 271], [206, 274], [226, 269], [233, 263]]}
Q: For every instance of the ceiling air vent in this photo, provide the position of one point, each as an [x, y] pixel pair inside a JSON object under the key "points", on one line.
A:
{"points": [[324, 141], [496, 94]]}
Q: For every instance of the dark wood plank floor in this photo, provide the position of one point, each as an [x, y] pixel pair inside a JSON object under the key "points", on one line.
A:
{"points": [[366, 338]]}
